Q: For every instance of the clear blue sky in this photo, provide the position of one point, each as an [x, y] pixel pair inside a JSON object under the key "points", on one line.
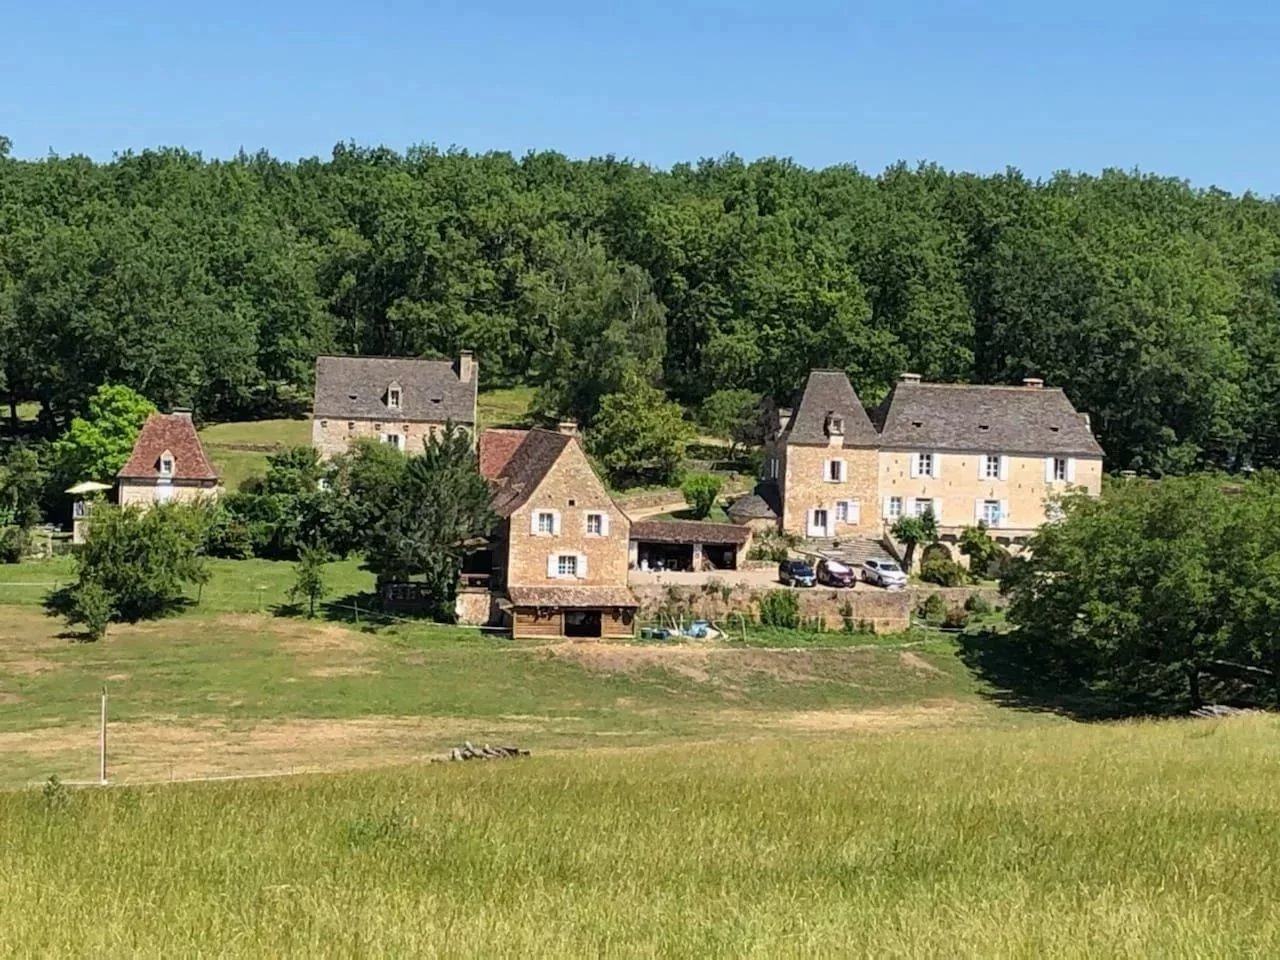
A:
{"points": [[1183, 89]]}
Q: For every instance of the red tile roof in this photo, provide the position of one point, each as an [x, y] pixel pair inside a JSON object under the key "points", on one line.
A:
{"points": [[173, 432], [496, 449], [571, 597]]}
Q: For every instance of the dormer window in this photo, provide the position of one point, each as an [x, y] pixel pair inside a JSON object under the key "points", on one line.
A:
{"points": [[834, 425], [393, 397], [166, 464]]}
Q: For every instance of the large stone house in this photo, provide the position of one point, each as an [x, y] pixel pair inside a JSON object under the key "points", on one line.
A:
{"points": [[397, 400], [966, 453], [168, 463], [560, 553]]}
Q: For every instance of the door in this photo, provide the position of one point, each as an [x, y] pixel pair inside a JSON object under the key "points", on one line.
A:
{"points": [[818, 523]]}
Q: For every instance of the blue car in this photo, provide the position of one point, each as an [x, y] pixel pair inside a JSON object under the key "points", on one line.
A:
{"points": [[797, 573]]}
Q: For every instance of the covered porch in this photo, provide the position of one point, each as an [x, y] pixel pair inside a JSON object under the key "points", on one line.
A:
{"points": [[687, 546], [573, 612]]}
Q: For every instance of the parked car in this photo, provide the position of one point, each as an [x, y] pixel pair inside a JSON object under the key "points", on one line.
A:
{"points": [[833, 573], [883, 573], [796, 573]]}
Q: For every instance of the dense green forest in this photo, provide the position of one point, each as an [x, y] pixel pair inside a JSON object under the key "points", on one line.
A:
{"points": [[216, 283]]}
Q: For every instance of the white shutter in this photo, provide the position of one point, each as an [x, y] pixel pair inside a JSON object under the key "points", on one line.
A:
{"points": [[826, 469], [937, 511], [977, 510], [885, 510], [533, 523], [1004, 513], [935, 466], [909, 507], [582, 566], [555, 522], [604, 524], [855, 512], [982, 466], [553, 569], [1048, 469], [1071, 469], [915, 465], [1004, 467]]}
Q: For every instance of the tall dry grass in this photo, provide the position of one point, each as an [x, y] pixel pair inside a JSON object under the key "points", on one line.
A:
{"points": [[1136, 840]]}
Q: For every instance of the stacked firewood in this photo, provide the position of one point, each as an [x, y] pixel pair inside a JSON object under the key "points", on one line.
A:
{"points": [[486, 752]]}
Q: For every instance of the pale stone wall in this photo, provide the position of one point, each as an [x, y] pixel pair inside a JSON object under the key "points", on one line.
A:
{"points": [[570, 489], [477, 608], [884, 611], [957, 488], [805, 487], [332, 436], [132, 493]]}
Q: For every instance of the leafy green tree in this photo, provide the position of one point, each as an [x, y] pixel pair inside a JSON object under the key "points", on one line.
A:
{"points": [[438, 513], [309, 577], [986, 557], [700, 492], [732, 415], [912, 531], [639, 435], [91, 608], [142, 561], [97, 445]]}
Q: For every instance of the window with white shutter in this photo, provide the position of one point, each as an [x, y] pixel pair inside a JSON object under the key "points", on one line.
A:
{"points": [[990, 465], [834, 472]]}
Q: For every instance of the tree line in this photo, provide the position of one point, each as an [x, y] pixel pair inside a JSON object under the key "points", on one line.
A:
{"points": [[216, 283]]}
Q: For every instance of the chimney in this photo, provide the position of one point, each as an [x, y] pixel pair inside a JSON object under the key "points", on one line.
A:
{"points": [[568, 427], [1087, 422], [466, 366], [1033, 383], [909, 378]]}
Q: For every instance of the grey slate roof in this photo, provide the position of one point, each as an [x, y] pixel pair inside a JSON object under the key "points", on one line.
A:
{"points": [[356, 388], [829, 391], [689, 531], [763, 503], [536, 454], [976, 418]]}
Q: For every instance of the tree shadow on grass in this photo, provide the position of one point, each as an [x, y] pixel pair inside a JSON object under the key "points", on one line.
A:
{"points": [[1021, 678]]}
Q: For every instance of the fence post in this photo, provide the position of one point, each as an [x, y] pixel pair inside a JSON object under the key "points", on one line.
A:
{"points": [[102, 742]]}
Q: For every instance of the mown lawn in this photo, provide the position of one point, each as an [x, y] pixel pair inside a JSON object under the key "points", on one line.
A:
{"points": [[1132, 840]]}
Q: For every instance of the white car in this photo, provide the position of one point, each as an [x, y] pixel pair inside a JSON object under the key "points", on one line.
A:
{"points": [[883, 573]]}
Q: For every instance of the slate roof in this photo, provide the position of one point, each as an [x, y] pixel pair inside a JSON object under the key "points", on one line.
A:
{"points": [[971, 417], [829, 391], [173, 432], [572, 597], [688, 531], [496, 450], [430, 390], [763, 503], [525, 468]]}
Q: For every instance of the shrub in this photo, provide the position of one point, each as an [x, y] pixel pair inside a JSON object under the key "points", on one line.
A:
{"points": [[700, 491], [955, 619], [91, 607], [13, 544], [780, 608], [846, 617], [933, 609], [943, 572], [977, 604], [772, 546]]}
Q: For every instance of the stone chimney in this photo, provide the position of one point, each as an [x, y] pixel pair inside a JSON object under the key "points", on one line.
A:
{"points": [[909, 378], [1032, 383], [1087, 422], [568, 427], [466, 366]]}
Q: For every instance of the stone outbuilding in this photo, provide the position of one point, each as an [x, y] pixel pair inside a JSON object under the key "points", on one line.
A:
{"points": [[758, 510], [687, 545], [168, 463]]}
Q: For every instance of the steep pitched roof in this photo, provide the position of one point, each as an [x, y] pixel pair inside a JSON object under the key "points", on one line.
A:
{"points": [[688, 531], [430, 390], [175, 433], [830, 392], [525, 469], [496, 449], [763, 503], [972, 417]]}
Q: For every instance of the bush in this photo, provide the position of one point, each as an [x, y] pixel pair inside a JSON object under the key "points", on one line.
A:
{"points": [[700, 491], [91, 607], [772, 546], [933, 609], [780, 608], [955, 619], [977, 604], [943, 572], [13, 544], [847, 621]]}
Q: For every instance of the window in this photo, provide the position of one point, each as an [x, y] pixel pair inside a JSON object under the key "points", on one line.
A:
{"points": [[893, 510], [924, 505], [166, 466], [566, 565], [393, 398], [546, 522], [842, 511], [1059, 468], [991, 466], [393, 439], [835, 471], [595, 524], [773, 468], [924, 466], [991, 513]]}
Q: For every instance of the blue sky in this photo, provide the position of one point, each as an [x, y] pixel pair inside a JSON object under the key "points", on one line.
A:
{"points": [[1192, 92]]}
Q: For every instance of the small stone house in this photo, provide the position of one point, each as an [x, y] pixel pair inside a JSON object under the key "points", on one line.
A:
{"points": [[397, 400], [560, 550], [168, 463]]}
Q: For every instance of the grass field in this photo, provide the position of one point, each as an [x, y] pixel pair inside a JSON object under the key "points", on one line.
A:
{"points": [[1136, 840]]}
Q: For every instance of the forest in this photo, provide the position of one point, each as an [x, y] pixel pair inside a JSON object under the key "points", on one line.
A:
{"points": [[215, 284]]}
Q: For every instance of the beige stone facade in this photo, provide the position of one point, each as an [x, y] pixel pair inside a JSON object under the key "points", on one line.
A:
{"points": [[1007, 492], [827, 492], [142, 493], [332, 437], [569, 532]]}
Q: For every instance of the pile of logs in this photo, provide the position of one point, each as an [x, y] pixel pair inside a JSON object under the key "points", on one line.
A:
{"points": [[486, 752], [1219, 710]]}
